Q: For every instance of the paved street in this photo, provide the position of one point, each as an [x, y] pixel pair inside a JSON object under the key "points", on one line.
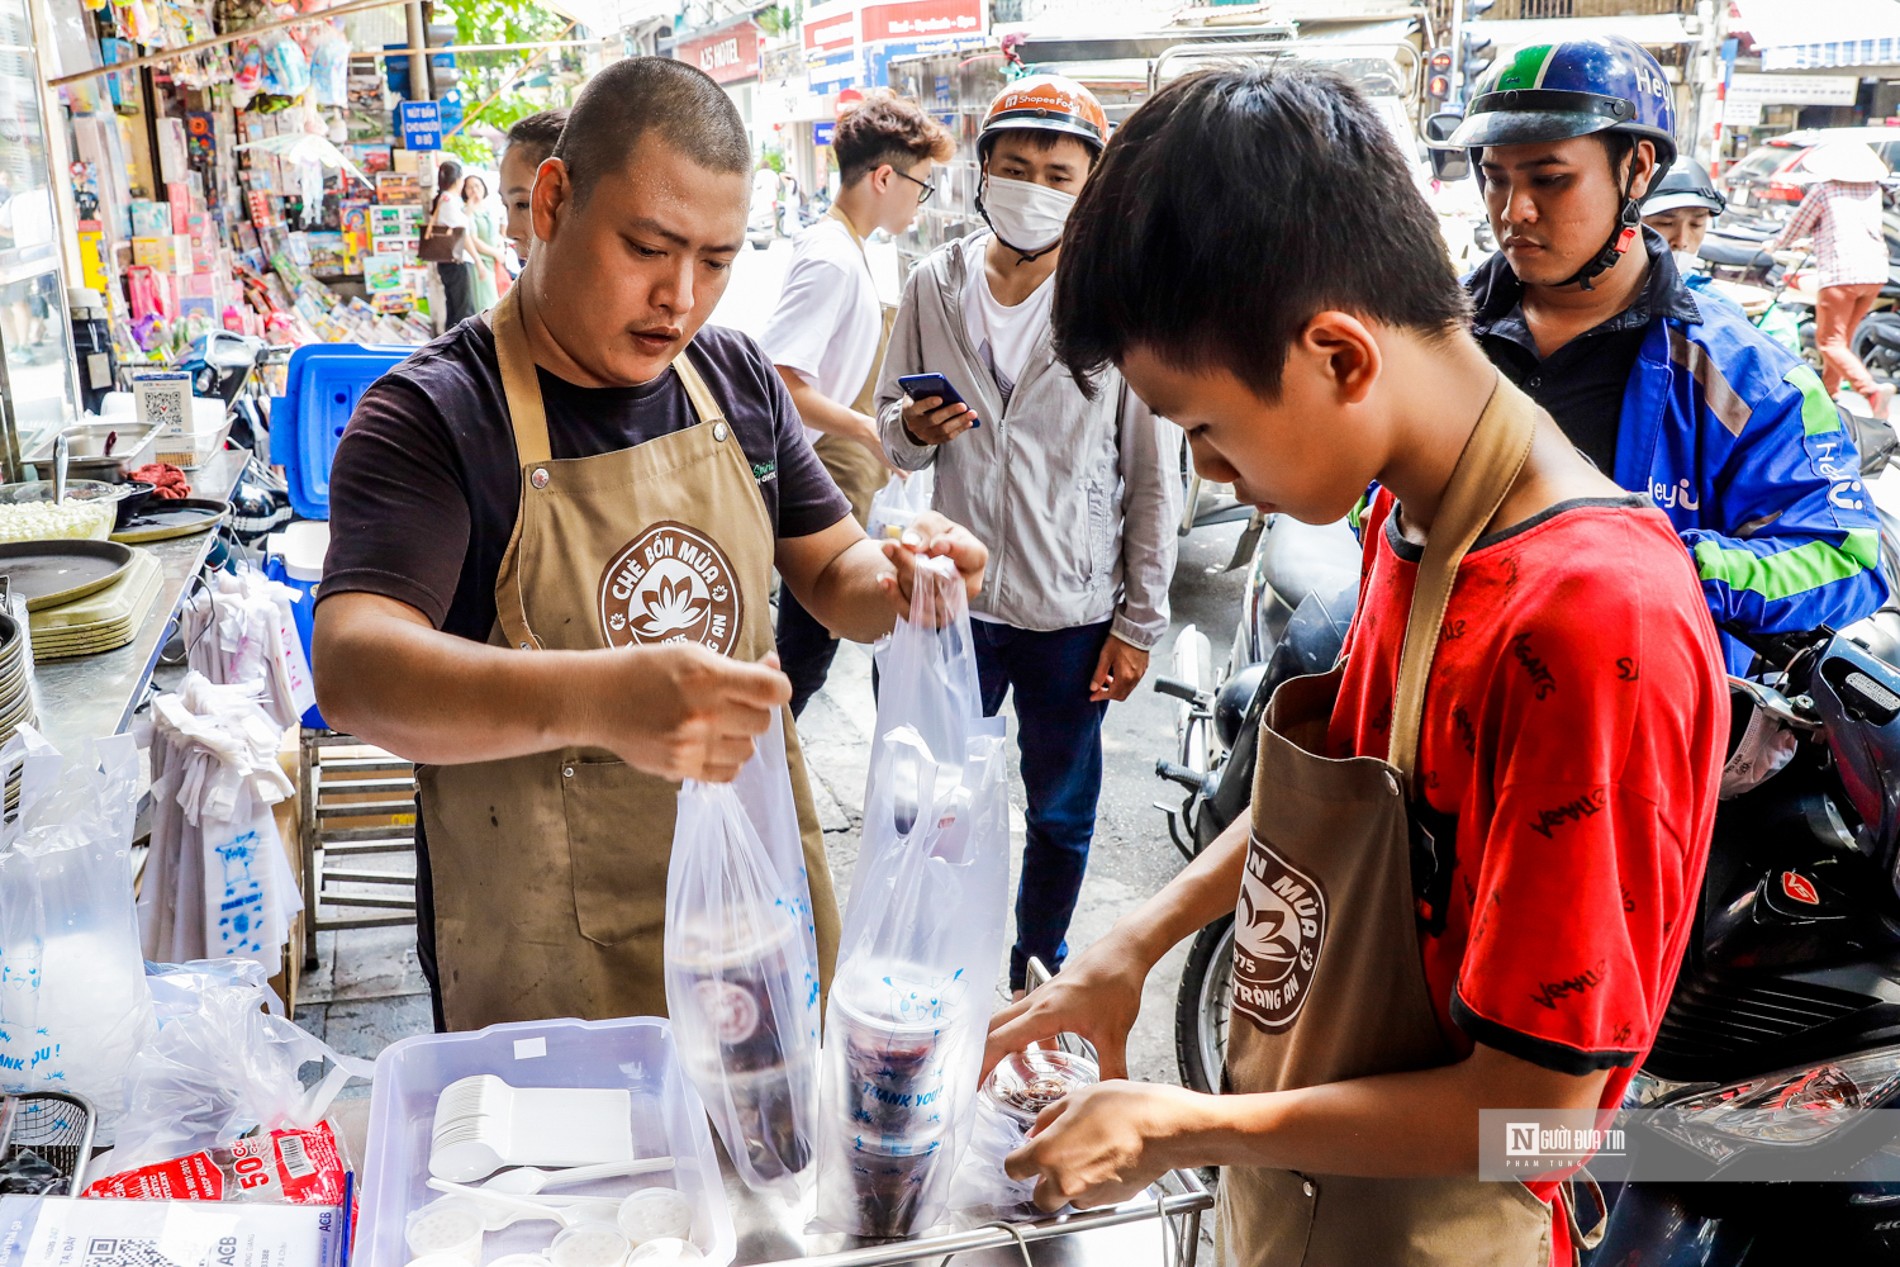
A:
{"points": [[368, 992]]}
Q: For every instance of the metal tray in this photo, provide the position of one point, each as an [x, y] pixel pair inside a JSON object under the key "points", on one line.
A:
{"points": [[136, 446], [164, 520], [50, 573]]}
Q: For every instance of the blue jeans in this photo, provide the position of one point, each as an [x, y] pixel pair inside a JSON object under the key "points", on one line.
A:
{"points": [[1059, 730]]}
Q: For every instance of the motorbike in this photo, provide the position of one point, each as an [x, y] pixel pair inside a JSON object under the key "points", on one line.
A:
{"points": [[1782, 1037]]}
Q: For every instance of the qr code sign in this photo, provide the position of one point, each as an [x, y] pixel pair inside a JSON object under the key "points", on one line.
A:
{"points": [[125, 1251], [164, 401]]}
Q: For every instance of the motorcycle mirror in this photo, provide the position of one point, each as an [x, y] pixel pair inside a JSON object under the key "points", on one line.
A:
{"points": [[1448, 164]]}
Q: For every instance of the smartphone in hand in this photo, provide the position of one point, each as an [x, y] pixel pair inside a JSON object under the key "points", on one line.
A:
{"points": [[924, 386]]}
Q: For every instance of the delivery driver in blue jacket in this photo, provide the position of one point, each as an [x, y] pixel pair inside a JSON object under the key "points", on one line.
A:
{"points": [[1731, 435]]}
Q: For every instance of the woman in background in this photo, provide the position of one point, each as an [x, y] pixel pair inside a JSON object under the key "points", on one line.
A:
{"points": [[1842, 215], [484, 238], [447, 211]]}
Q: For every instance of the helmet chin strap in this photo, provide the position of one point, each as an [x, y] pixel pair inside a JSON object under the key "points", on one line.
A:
{"points": [[1022, 256], [1629, 229]]}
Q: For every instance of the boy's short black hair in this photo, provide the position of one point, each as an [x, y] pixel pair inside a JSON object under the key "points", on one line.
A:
{"points": [[638, 95], [538, 132], [1232, 207]]}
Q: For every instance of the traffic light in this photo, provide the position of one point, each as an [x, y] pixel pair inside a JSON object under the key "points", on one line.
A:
{"points": [[1438, 74], [1478, 54]]}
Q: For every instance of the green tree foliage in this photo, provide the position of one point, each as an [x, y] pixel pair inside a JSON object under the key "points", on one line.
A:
{"points": [[551, 82]]}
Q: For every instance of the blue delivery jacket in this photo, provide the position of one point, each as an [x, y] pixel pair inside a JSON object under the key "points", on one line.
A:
{"points": [[1734, 438]]}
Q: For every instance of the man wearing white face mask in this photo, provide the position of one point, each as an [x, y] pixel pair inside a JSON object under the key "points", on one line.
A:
{"points": [[1076, 493]]}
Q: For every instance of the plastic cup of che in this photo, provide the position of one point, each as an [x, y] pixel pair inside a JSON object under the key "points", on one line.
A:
{"points": [[894, 1059], [655, 1214], [448, 1228], [732, 963], [589, 1245]]}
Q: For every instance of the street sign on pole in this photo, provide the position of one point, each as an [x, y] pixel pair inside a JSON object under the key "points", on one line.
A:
{"points": [[421, 124]]}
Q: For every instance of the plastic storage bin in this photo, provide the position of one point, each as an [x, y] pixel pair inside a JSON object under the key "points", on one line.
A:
{"points": [[636, 1054], [323, 383]]}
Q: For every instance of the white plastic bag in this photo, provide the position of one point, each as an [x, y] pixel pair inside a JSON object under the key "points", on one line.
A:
{"points": [[923, 934], [896, 506], [221, 1066], [742, 975], [217, 881], [74, 1006]]}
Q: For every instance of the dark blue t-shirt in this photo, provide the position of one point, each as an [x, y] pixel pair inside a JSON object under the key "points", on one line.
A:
{"points": [[425, 486]]}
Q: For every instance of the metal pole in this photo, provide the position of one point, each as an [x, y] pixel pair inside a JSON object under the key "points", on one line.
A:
{"points": [[419, 87], [1458, 51]]}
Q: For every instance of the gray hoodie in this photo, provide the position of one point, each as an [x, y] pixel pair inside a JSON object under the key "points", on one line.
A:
{"points": [[1078, 500]]}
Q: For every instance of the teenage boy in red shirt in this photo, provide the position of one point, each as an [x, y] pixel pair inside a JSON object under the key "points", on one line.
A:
{"points": [[1465, 886]]}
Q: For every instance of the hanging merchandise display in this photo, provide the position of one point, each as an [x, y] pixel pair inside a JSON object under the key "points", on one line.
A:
{"points": [[209, 193]]}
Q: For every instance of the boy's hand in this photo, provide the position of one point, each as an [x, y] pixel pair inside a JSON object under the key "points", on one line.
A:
{"points": [[1097, 995], [930, 421], [1118, 672], [1105, 1144]]}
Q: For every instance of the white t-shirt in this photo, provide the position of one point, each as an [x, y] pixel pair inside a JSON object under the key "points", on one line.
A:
{"points": [[828, 319], [451, 213], [1003, 336]]}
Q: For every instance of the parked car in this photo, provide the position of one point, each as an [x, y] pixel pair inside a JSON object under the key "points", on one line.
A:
{"points": [[1769, 181]]}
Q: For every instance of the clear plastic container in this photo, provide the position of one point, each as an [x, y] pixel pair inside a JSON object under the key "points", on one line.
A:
{"points": [[635, 1053]]}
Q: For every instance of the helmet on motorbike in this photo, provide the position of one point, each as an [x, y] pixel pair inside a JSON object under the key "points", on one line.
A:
{"points": [[1046, 103], [1553, 92], [1685, 184]]}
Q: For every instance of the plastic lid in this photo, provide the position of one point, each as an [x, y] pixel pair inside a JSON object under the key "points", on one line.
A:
{"points": [[655, 1214], [83, 297], [301, 545], [1025, 1084]]}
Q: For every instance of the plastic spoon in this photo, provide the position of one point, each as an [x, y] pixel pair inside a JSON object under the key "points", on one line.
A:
{"points": [[526, 1181], [504, 1211]]}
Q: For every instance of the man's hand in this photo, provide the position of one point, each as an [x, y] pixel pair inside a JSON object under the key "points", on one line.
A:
{"points": [[1118, 672], [866, 434], [683, 712], [1105, 1144], [933, 536], [1097, 995], [930, 421]]}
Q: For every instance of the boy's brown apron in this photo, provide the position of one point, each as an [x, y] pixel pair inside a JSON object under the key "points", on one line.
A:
{"points": [[856, 470], [550, 870], [1329, 984]]}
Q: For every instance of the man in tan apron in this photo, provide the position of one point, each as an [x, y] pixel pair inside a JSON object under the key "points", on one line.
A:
{"points": [[1445, 824], [553, 537], [828, 334]]}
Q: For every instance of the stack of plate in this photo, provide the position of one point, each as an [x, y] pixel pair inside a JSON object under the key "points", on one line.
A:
{"points": [[102, 621], [16, 689]]}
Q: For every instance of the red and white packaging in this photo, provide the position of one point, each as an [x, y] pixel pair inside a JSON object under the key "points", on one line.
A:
{"points": [[286, 1167]]}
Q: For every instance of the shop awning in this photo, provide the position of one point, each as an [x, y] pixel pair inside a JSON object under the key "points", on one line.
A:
{"points": [[1654, 30], [1821, 34]]}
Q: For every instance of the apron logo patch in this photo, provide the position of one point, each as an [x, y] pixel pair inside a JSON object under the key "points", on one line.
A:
{"points": [[1279, 928], [671, 584]]}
